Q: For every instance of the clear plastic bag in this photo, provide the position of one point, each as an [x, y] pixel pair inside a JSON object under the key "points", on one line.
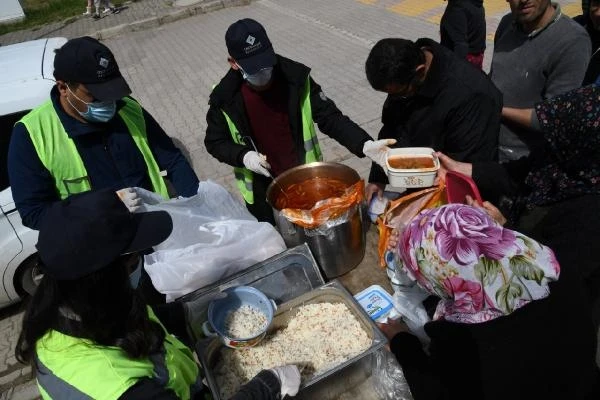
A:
{"points": [[329, 212], [213, 237], [388, 377]]}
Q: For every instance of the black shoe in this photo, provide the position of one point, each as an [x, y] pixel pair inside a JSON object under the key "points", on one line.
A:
{"points": [[115, 10], [96, 16]]}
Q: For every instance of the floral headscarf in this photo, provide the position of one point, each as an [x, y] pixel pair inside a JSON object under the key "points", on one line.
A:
{"points": [[479, 269]]}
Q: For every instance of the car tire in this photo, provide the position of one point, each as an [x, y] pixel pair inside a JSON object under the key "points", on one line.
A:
{"points": [[28, 276]]}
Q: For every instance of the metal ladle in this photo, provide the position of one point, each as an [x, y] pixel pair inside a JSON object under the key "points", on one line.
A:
{"points": [[268, 172]]}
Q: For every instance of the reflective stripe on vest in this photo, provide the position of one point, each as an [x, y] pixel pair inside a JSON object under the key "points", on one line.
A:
{"points": [[73, 368], [312, 151], [60, 156]]}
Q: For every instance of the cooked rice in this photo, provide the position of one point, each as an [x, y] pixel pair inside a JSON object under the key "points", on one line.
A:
{"points": [[245, 322], [320, 337]]}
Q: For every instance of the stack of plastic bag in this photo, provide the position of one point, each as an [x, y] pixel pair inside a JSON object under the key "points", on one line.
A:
{"points": [[213, 237]]}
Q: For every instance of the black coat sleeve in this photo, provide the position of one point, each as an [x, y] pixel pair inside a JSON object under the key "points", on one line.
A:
{"points": [[32, 185], [454, 31], [472, 129], [264, 386], [170, 158], [334, 124], [494, 179], [418, 370], [218, 140]]}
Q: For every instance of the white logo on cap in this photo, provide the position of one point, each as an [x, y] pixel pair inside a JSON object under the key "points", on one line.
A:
{"points": [[103, 62], [250, 40]]}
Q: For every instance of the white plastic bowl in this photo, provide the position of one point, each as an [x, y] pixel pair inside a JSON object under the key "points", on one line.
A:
{"points": [[412, 177]]}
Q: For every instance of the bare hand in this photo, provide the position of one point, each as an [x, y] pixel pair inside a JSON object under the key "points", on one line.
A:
{"points": [[448, 164], [489, 208], [393, 327], [373, 188], [393, 239]]}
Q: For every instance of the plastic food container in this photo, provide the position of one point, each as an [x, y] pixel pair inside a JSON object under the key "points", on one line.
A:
{"points": [[412, 167], [330, 384], [236, 297], [376, 302]]}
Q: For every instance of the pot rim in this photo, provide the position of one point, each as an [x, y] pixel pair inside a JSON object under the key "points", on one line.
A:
{"points": [[276, 184]]}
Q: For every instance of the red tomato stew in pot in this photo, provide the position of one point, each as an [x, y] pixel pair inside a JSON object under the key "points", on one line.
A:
{"points": [[304, 195]]}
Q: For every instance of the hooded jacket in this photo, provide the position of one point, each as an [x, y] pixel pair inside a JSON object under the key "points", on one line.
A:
{"points": [[462, 28]]}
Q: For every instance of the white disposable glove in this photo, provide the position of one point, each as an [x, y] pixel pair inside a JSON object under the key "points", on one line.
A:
{"points": [[289, 378], [257, 162], [377, 150], [130, 198]]}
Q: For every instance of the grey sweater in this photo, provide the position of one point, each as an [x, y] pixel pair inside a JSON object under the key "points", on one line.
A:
{"points": [[528, 68]]}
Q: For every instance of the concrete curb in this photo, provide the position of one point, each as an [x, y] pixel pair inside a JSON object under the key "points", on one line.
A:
{"points": [[175, 15]]}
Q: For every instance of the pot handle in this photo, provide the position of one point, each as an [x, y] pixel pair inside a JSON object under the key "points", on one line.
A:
{"points": [[206, 328]]}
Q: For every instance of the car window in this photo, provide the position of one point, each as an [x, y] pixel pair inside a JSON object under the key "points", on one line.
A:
{"points": [[6, 125]]}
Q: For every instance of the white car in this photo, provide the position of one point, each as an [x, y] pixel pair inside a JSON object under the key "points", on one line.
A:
{"points": [[26, 77]]}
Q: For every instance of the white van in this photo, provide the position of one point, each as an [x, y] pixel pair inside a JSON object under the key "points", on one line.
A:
{"points": [[25, 82]]}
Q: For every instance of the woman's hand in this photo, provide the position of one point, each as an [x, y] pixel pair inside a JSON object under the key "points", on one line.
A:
{"points": [[489, 208], [393, 239], [373, 188], [448, 164], [393, 327]]}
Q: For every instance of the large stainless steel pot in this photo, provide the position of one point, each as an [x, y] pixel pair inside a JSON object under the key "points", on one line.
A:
{"points": [[337, 249]]}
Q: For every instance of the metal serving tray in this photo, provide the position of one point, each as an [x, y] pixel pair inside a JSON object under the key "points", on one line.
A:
{"points": [[330, 384], [282, 277]]}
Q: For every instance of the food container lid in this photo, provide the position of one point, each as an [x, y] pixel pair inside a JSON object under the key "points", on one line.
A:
{"points": [[375, 301], [282, 277]]}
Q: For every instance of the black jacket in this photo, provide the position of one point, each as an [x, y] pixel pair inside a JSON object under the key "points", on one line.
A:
{"points": [[462, 28], [227, 97], [456, 111], [593, 70], [544, 350]]}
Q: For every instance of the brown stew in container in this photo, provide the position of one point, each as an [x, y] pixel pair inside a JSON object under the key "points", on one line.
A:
{"points": [[410, 162], [304, 195]]}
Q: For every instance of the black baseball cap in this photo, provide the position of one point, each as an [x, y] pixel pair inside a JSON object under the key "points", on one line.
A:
{"points": [[248, 43], [85, 60], [86, 232]]}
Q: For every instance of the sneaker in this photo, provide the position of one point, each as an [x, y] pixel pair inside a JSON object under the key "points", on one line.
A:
{"points": [[87, 13], [115, 10], [96, 16], [107, 10]]}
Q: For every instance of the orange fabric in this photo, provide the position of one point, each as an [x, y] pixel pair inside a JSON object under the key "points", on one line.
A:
{"points": [[327, 209], [401, 211]]}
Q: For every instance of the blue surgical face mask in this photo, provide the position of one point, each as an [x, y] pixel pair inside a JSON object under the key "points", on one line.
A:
{"points": [[261, 78], [97, 111]]}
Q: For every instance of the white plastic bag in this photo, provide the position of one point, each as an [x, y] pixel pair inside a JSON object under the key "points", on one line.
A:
{"points": [[408, 297], [213, 237]]}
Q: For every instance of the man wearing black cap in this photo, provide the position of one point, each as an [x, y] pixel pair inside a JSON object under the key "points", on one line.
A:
{"points": [[90, 135], [261, 117]]}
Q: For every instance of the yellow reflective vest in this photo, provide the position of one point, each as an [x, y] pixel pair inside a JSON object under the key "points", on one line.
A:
{"points": [[312, 150], [59, 155]]}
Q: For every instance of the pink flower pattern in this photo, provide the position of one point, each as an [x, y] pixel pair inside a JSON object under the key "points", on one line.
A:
{"points": [[480, 270]]}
